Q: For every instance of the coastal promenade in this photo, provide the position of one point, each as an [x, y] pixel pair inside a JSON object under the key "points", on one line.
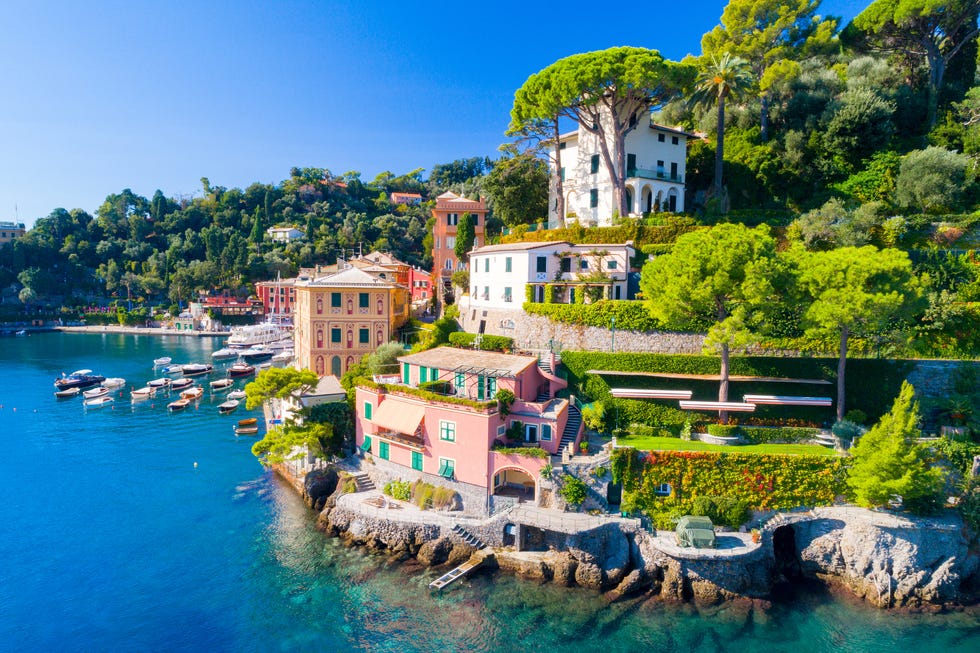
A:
{"points": [[140, 331]]}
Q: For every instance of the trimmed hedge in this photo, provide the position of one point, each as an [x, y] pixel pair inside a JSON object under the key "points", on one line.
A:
{"points": [[773, 434], [724, 430], [873, 385], [631, 315], [760, 481], [641, 234], [487, 342]]}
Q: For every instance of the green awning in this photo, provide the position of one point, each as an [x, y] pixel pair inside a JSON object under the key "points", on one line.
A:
{"points": [[446, 469], [366, 445]]}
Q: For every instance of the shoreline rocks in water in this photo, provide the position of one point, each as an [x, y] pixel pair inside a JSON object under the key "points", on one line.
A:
{"points": [[888, 560]]}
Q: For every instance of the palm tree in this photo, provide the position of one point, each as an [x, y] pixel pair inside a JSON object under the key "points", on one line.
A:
{"points": [[718, 80]]}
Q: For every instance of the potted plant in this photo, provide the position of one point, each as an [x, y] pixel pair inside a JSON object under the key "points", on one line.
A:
{"points": [[756, 535], [583, 446]]}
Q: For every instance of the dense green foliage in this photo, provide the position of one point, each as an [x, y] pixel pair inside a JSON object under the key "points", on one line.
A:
{"points": [[276, 383], [487, 342], [630, 315], [291, 442], [887, 463], [756, 481], [572, 490]]}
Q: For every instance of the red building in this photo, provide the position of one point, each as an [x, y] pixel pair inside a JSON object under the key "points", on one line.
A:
{"points": [[277, 297], [448, 210], [420, 281]]}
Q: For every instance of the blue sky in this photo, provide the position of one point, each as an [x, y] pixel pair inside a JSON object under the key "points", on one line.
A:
{"points": [[103, 95]]}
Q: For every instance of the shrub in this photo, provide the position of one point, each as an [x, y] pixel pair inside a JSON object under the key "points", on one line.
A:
{"points": [[422, 494], [846, 430], [932, 180], [438, 387], [724, 430], [505, 399], [487, 342], [443, 498], [546, 471], [348, 484], [594, 416], [788, 434], [856, 415], [599, 472], [400, 490], [572, 490], [630, 315]]}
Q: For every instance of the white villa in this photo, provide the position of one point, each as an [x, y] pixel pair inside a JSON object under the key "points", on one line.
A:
{"points": [[655, 169], [284, 234], [505, 276]]}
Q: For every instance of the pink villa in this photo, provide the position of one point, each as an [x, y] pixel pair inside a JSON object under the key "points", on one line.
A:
{"points": [[449, 440]]}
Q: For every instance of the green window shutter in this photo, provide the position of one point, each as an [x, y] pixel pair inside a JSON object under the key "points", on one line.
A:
{"points": [[364, 336], [335, 298], [507, 264], [366, 445], [447, 468], [368, 409], [460, 382], [383, 450], [363, 300], [405, 376], [594, 164], [546, 432], [433, 374], [417, 460], [491, 388], [423, 374], [481, 387], [594, 198], [335, 335]]}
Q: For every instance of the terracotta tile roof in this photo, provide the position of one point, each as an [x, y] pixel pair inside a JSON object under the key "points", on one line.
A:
{"points": [[451, 358]]}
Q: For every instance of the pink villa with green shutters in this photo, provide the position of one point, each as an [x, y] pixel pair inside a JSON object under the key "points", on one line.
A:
{"points": [[446, 434]]}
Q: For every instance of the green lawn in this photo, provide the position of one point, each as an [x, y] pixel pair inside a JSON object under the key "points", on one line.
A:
{"points": [[676, 444]]}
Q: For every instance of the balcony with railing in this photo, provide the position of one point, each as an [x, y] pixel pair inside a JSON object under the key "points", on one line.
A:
{"points": [[659, 173]]}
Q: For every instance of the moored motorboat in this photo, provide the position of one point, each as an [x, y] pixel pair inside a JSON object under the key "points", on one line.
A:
{"points": [[70, 392], [248, 426], [163, 360], [221, 385], [79, 379], [257, 354], [95, 392], [114, 382], [181, 384], [180, 404], [228, 406], [97, 402], [196, 369], [192, 393], [170, 369], [239, 370], [162, 382], [143, 393], [283, 357], [224, 354], [237, 394], [258, 334]]}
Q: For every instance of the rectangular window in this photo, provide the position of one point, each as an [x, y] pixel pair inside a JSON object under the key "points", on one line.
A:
{"points": [[363, 300], [542, 264], [630, 165], [335, 298], [611, 264], [452, 219], [566, 264], [662, 138], [594, 164], [546, 432], [583, 264], [486, 292], [447, 431], [405, 376], [364, 336], [433, 374], [673, 140], [423, 374], [481, 387], [417, 460], [436, 243], [501, 430], [486, 264], [459, 383], [594, 198], [561, 146], [491, 388], [384, 450], [476, 219], [508, 297], [673, 171], [562, 173], [447, 467], [368, 410], [507, 264], [450, 242], [335, 335]]}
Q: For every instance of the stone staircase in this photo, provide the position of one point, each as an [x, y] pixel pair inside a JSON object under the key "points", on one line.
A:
{"points": [[571, 427], [364, 482], [468, 537]]}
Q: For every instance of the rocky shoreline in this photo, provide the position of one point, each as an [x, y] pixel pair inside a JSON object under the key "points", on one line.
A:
{"points": [[891, 561]]}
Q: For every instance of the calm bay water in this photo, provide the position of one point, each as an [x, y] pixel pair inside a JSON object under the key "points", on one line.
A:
{"points": [[112, 540]]}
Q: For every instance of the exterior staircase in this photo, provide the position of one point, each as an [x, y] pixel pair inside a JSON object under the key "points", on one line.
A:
{"points": [[571, 427], [468, 537], [364, 482]]}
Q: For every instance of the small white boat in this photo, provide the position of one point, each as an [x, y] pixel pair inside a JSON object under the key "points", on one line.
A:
{"points": [[239, 370], [72, 392], [97, 402], [236, 394], [170, 369], [143, 393], [221, 385], [192, 393], [95, 392], [114, 382], [180, 404], [224, 354], [257, 354], [162, 382], [228, 406], [182, 384], [163, 360], [196, 369]]}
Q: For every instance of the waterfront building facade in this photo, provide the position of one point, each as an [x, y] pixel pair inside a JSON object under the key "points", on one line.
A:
{"points": [[342, 316], [278, 298], [446, 213], [11, 231], [655, 170], [447, 435]]}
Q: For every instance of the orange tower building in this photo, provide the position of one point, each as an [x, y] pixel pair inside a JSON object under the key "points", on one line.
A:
{"points": [[447, 212]]}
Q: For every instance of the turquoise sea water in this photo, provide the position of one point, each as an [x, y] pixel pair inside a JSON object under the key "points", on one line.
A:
{"points": [[112, 540]]}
